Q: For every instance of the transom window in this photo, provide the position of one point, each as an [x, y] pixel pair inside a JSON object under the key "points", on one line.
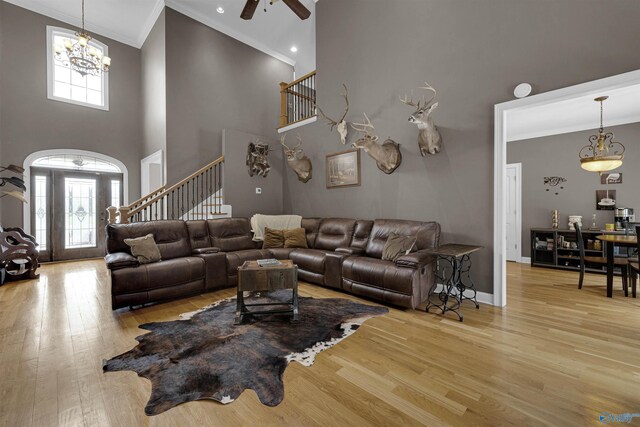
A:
{"points": [[76, 162], [67, 85]]}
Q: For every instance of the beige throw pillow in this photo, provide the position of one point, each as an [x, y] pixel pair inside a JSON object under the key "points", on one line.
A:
{"points": [[144, 248], [398, 245]]}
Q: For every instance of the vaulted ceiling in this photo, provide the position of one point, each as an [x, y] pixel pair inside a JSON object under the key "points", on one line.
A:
{"points": [[129, 22]]}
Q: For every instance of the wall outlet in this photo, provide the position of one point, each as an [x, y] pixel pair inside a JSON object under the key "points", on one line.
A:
{"points": [[258, 190]]}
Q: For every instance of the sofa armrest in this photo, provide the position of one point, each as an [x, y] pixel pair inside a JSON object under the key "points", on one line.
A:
{"points": [[415, 260], [351, 250], [118, 260], [211, 250]]}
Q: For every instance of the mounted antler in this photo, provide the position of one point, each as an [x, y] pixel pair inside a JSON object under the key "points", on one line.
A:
{"points": [[429, 139], [301, 165], [340, 125], [387, 155]]}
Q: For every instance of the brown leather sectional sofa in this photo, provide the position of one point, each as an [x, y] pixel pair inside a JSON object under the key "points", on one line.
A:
{"points": [[202, 256]]}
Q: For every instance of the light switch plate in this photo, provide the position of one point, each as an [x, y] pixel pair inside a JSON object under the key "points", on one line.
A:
{"points": [[258, 190]]}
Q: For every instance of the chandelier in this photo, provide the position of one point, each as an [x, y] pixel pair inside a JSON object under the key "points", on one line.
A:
{"points": [[602, 153], [80, 56]]}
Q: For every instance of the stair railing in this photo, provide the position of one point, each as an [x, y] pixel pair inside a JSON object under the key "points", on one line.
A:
{"points": [[197, 196], [298, 100]]}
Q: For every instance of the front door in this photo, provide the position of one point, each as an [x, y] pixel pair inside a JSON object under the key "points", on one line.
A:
{"points": [[69, 214]]}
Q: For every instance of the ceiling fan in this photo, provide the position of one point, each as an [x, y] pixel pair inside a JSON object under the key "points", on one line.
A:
{"points": [[295, 5]]}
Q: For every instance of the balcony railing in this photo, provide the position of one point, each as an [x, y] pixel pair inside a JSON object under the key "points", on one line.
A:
{"points": [[298, 100]]}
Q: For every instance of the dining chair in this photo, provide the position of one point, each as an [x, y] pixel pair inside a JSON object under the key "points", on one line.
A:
{"points": [[634, 267], [601, 261]]}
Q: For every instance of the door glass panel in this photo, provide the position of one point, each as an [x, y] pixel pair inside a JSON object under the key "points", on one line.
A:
{"points": [[41, 212], [115, 193], [80, 212]]}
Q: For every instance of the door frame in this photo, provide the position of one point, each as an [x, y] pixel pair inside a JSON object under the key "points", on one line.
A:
{"points": [[26, 209], [154, 158], [518, 168], [501, 116]]}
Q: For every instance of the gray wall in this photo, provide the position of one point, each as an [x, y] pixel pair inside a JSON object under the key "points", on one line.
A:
{"points": [[239, 187], [30, 122], [558, 156], [154, 90], [474, 53], [214, 82]]}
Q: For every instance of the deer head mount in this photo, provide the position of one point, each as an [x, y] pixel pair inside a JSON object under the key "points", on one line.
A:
{"points": [[257, 159], [429, 139], [340, 125], [297, 160], [387, 155]]}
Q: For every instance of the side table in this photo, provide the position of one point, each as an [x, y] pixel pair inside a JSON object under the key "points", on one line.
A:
{"points": [[252, 278], [454, 277]]}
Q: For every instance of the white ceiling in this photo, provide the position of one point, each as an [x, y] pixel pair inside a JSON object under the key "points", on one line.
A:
{"points": [[578, 114], [130, 21]]}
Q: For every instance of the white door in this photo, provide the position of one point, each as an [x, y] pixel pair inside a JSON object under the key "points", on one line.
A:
{"points": [[514, 215]]}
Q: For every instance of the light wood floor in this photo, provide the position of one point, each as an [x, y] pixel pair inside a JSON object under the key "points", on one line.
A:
{"points": [[555, 356]]}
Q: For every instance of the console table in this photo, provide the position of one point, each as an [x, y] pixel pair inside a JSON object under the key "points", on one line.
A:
{"points": [[252, 277], [454, 277]]}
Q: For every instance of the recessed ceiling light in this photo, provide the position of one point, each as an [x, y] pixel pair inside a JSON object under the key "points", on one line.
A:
{"points": [[220, 9], [294, 49]]}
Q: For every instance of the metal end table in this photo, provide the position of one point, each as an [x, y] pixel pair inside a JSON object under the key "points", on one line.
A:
{"points": [[454, 277]]}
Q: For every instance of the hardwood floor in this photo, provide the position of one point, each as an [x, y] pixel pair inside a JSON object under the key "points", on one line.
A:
{"points": [[555, 356]]}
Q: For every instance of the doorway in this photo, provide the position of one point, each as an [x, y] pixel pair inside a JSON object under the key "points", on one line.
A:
{"points": [[69, 214], [151, 173], [514, 212]]}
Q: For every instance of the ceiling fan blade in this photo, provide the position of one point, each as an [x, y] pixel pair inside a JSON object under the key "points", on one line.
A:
{"points": [[249, 9], [298, 8]]}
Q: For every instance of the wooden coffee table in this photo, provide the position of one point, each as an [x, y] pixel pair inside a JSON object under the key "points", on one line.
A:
{"points": [[253, 278]]}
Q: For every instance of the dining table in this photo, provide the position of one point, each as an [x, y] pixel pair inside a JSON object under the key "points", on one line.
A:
{"points": [[612, 240]]}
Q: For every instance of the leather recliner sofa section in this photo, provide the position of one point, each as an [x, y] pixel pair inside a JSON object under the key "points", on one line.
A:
{"points": [[203, 256]]}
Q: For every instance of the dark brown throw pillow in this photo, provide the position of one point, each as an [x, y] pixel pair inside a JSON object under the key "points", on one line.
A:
{"points": [[144, 248], [398, 245], [295, 238], [273, 238]]}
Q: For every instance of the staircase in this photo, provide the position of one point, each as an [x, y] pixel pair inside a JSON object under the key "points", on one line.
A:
{"points": [[198, 196]]}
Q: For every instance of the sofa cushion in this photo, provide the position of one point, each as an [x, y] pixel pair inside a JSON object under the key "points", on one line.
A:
{"points": [[198, 234], [427, 234], [361, 233], [231, 234], [309, 259], [280, 253], [160, 274], [378, 273], [237, 258], [171, 236], [295, 238], [335, 233], [311, 226]]}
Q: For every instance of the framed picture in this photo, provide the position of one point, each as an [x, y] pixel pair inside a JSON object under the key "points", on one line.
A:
{"points": [[611, 178], [605, 200], [343, 169]]}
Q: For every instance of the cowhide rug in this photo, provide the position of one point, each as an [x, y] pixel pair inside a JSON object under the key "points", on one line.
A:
{"points": [[204, 356]]}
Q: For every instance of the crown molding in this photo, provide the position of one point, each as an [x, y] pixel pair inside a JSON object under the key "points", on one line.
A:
{"points": [[256, 44], [151, 21]]}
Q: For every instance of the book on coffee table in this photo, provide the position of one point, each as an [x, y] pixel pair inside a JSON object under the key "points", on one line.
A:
{"points": [[269, 262]]}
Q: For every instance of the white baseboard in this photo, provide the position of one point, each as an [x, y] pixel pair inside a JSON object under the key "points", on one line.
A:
{"points": [[525, 260], [482, 297]]}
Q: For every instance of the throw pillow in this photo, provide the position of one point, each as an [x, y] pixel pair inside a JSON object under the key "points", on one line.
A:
{"points": [[398, 245], [144, 248], [273, 238], [295, 238]]}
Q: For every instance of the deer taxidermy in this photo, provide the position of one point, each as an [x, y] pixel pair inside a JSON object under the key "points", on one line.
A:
{"points": [[387, 155], [295, 6], [429, 139], [257, 159], [340, 125], [297, 160]]}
